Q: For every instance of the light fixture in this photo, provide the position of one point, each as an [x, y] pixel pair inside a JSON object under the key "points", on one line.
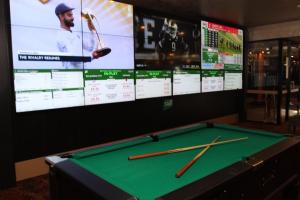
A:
{"points": [[298, 6]]}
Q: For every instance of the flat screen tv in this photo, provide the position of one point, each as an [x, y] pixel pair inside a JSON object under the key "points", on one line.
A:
{"points": [[165, 43], [221, 57]]}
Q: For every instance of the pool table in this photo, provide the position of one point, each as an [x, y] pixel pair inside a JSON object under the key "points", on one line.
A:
{"points": [[261, 167]]}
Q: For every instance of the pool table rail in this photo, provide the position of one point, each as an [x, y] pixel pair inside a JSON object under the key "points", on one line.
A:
{"points": [[259, 176]]}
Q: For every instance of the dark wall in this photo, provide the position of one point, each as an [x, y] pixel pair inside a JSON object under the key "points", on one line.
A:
{"points": [[7, 176]]}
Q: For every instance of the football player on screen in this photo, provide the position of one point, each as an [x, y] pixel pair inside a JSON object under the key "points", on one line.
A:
{"points": [[171, 45]]}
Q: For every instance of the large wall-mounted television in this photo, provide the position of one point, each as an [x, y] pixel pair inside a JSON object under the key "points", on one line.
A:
{"points": [[71, 53], [221, 57]]}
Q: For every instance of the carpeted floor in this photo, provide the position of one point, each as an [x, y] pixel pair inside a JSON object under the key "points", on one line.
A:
{"points": [[38, 188], [32, 189]]}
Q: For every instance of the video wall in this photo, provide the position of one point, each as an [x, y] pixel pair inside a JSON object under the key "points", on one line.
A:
{"points": [[89, 52]]}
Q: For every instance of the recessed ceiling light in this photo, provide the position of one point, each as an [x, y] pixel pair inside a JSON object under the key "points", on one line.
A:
{"points": [[298, 6]]}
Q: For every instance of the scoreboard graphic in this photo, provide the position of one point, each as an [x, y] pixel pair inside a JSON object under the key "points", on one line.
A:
{"points": [[222, 47]]}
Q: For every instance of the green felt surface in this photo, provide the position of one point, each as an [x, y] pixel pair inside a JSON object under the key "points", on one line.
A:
{"points": [[152, 177]]}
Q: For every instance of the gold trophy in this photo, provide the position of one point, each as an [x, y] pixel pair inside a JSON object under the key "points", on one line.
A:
{"points": [[101, 50], [44, 1]]}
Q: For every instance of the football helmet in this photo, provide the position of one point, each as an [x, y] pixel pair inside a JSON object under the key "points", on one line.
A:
{"points": [[173, 29]]}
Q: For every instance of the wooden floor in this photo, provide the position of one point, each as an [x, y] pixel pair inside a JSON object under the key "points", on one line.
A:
{"points": [[37, 188]]}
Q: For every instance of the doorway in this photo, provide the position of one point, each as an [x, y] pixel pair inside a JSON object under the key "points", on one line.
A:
{"points": [[272, 80]]}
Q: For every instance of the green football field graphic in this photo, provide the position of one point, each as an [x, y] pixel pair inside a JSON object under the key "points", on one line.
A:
{"points": [[230, 43]]}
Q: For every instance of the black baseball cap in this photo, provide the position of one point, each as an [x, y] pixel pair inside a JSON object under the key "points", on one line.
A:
{"points": [[62, 8]]}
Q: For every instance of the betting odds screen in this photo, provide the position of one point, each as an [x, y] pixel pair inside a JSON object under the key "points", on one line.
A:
{"points": [[221, 57], [71, 53], [154, 83]]}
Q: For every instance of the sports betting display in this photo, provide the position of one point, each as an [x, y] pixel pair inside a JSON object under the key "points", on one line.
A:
{"points": [[107, 86], [165, 43], [222, 47], [154, 83], [71, 53], [233, 80], [186, 82], [212, 80]]}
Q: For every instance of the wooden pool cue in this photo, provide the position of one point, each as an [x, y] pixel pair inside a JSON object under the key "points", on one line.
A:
{"points": [[183, 149], [187, 166]]}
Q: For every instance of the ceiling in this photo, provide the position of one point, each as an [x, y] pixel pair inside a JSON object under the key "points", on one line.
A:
{"points": [[249, 13]]}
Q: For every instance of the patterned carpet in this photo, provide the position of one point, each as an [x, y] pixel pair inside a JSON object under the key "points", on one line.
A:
{"points": [[38, 188]]}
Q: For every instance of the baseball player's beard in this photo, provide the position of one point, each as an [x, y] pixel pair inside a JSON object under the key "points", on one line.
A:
{"points": [[69, 23]]}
